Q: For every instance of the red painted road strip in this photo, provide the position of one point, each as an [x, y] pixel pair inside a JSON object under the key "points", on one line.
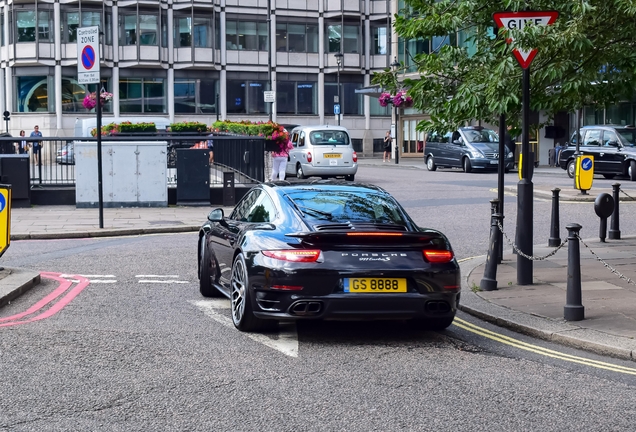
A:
{"points": [[64, 285]]}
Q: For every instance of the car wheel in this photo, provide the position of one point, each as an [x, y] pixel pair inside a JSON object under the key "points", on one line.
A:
{"points": [[430, 164], [631, 171], [205, 282], [467, 166], [350, 177], [299, 172], [242, 313], [609, 176], [571, 169]]}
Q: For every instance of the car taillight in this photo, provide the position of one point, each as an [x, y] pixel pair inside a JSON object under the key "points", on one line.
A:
{"points": [[355, 157], [438, 256], [293, 255], [308, 156]]}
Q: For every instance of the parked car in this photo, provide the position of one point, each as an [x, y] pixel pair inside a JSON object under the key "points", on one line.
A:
{"points": [[66, 155], [613, 148], [323, 151], [326, 249], [470, 148]]}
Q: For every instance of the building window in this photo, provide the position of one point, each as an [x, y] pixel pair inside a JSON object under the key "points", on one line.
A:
{"points": [[73, 95], [349, 41], [148, 28], [296, 38], [32, 94], [72, 22], [143, 28], [196, 33], [350, 101], [379, 39], [246, 35], [195, 96], [141, 95], [294, 97], [26, 26], [128, 26], [246, 97]]}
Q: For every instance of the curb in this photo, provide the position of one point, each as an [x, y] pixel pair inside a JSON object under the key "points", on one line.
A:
{"points": [[16, 283], [107, 232], [546, 329]]}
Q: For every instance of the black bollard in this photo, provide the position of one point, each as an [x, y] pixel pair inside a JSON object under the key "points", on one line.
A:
{"points": [[614, 231], [603, 206], [573, 310], [555, 236], [489, 281], [494, 208]]}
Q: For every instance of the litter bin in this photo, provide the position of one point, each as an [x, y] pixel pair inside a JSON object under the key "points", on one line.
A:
{"points": [[193, 177], [14, 170]]}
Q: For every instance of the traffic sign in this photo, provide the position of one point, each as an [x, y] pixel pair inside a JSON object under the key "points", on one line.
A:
{"points": [[270, 96], [336, 109], [519, 20], [88, 55], [5, 217]]}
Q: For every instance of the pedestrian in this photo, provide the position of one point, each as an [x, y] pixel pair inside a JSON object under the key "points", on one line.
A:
{"points": [[279, 160], [210, 144], [23, 146], [387, 147], [37, 145], [510, 142]]}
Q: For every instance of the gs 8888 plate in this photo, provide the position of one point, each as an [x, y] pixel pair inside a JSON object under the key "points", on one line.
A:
{"points": [[375, 285]]}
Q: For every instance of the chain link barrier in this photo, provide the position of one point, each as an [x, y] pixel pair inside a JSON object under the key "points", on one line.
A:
{"points": [[628, 196], [612, 269], [529, 257]]}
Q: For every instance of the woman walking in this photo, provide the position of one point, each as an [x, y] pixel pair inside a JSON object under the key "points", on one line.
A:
{"points": [[387, 147], [279, 160]]}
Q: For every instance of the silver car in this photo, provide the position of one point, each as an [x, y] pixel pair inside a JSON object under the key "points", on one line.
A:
{"points": [[322, 151]]}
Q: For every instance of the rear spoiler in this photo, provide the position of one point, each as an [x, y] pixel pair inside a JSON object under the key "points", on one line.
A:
{"points": [[380, 238]]}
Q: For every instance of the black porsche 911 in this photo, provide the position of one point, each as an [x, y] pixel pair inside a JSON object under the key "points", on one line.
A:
{"points": [[326, 250]]}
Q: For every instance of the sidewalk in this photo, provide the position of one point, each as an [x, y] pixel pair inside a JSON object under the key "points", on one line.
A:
{"points": [[609, 326]]}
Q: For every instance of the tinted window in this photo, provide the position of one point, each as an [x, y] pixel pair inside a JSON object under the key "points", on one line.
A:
{"points": [[592, 138], [610, 139], [438, 137], [343, 206], [483, 135], [262, 210], [628, 135], [328, 137], [242, 209]]}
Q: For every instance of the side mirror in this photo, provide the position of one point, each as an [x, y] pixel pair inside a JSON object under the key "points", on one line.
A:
{"points": [[458, 142], [216, 215], [612, 143]]}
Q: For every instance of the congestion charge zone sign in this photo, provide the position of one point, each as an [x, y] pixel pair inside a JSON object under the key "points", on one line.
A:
{"points": [[88, 55]]}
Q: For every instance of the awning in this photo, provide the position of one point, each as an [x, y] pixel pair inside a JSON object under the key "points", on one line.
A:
{"points": [[373, 91]]}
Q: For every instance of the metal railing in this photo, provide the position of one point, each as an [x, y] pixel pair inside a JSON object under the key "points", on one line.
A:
{"points": [[54, 164]]}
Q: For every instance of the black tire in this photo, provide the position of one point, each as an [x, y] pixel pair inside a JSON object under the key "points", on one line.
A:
{"points": [[205, 282], [430, 164], [467, 166], [571, 168], [631, 171], [350, 177], [434, 324], [609, 176], [299, 172], [241, 298]]}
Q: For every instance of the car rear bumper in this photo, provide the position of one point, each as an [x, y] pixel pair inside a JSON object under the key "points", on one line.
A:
{"points": [[486, 164], [312, 170]]}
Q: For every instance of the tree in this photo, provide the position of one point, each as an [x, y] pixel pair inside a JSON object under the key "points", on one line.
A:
{"points": [[588, 56]]}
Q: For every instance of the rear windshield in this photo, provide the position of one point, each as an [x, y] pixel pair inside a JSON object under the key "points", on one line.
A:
{"points": [[343, 206], [483, 135], [629, 135], [329, 137]]}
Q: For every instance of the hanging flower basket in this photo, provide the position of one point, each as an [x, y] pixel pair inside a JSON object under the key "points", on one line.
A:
{"points": [[90, 101], [400, 99]]}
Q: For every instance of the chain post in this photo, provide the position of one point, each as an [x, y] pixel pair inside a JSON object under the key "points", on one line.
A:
{"points": [[494, 208], [489, 281], [555, 236], [574, 309], [614, 231]]}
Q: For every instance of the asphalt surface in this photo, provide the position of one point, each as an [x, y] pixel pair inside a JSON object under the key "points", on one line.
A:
{"points": [[609, 327]]}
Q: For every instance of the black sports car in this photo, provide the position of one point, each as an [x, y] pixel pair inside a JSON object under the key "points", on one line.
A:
{"points": [[326, 250]]}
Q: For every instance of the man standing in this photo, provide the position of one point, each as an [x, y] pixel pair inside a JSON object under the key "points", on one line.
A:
{"points": [[37, 145]]}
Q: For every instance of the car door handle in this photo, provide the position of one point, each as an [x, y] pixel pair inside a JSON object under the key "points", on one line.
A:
{"points": [[601, 154]]}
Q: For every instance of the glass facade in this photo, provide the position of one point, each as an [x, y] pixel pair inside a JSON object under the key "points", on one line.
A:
{"points": [[142, 95], [246, 35], [295, 97], [296, 37], [246, 97], [347, 42], [31, 26], [195, 96], [351, 103]]}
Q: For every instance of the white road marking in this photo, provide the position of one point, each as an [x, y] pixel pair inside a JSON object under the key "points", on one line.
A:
{"points": [[103, 281], [286, 341], [158, 276], [169, 281], [87, 276]]}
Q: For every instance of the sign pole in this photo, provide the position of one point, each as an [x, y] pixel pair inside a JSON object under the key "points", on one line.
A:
{"points": [[100, 189], [525, 188]]}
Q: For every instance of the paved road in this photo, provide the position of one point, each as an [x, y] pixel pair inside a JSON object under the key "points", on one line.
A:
{"points": [[138, 348]]}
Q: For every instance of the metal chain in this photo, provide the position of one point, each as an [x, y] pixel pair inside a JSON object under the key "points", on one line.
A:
{"points": [[632, 198], [612, 269], [529, 257]]}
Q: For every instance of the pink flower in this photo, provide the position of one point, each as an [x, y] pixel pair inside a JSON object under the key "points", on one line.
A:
{"points": [[384, 99]]}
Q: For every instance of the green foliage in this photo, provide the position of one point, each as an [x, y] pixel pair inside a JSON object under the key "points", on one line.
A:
{"points": [[188, 127], [587, 56], [268, 130], [128, 127]]}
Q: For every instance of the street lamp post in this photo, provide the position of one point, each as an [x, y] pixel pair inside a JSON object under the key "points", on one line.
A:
{"points": [[338, 57], [395, 66]]}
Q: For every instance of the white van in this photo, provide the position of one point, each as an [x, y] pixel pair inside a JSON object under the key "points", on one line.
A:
{"points": [[84, 126], [323, 151]]}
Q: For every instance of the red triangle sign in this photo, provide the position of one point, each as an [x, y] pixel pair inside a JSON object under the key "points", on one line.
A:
{"points": [[518, 20]]}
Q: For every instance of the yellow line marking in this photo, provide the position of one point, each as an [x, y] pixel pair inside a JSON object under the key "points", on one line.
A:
{"points": [[540, 350]]}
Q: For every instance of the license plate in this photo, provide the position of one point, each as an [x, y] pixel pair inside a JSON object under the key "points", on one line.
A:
{"points": [[332, 156], [494, 162], [375, 285]]}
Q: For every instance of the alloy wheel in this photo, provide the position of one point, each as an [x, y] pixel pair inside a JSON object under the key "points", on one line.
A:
{"points": [[239, 286]]}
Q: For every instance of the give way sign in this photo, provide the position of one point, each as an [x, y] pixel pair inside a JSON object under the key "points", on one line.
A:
{"points": [[519, 20]]}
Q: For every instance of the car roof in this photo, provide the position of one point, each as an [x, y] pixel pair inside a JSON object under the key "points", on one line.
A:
{"points": [[319, 127], [608, 126], [324, 185]]}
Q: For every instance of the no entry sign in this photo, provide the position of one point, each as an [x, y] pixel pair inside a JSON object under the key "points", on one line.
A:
{"points": [[519, 20], [88, 55]]}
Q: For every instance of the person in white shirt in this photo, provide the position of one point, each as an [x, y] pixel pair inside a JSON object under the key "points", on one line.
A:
{"points": [[22, 145]]}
